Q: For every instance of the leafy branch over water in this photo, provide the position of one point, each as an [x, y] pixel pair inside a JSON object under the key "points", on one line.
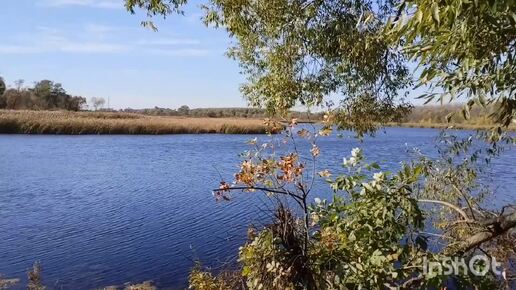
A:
{"points": [[378, 228]]}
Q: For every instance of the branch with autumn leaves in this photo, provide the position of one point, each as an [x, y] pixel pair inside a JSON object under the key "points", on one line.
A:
{"points": [[291, 176]]}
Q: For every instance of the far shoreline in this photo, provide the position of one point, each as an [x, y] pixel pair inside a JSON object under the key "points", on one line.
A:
{"points": [[115, 123], [27, 122]]}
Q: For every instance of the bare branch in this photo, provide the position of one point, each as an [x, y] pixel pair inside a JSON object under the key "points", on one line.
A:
{"points": [[497, 227], [447, 204], [465, 199], [256, 188], [297, 198]]}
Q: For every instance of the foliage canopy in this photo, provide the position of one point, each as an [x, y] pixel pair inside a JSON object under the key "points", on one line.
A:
{"points": [[302, 52], [464, 49], [45, 94]]}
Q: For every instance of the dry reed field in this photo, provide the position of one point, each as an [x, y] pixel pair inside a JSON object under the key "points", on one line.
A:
{"points": [[76, 123]]}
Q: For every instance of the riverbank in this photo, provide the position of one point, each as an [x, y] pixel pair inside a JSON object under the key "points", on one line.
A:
{"points": [[82, 123], [458, 126], [112, 123]]}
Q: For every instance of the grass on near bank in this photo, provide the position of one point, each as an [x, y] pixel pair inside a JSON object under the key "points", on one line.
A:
{"points": [[75, 123]]}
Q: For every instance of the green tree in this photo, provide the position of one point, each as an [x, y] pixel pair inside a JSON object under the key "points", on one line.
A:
{"points": [[299, 52], [45, 94], [465, 49], [183, 110], [3, 101], [44, 98], [2, 86], [50, 95]]}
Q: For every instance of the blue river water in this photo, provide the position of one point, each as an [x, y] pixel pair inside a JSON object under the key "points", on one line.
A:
{"points": [[105, 210]]}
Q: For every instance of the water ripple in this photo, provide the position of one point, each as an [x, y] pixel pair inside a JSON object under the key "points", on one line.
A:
{"points": [[104, 210]]}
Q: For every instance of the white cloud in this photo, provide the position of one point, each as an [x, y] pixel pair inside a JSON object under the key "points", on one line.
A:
{"points": [[108, 4], [99, 39], [100, 29], [169, 41], [47, 30], [63, 46], [180, 52], [93, 47], [50, 40], [18, 49]]}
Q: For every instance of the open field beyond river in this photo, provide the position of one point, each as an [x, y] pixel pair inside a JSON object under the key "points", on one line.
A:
{"points": [[77, 123], [111, 123]]}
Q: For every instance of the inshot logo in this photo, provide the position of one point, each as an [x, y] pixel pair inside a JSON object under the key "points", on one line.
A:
{"points": [[478, 265]]}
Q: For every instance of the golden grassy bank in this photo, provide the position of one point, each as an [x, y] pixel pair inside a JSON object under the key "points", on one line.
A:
{"points": [[76, 123]]}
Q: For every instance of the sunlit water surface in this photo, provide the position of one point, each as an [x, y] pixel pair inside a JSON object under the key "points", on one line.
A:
{"points": [[104, 210]]}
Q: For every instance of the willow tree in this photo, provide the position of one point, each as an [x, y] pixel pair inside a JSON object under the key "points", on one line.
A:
{"points": [[465, 49], [300, 52]]}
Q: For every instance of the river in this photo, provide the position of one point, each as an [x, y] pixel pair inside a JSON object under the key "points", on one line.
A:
{"points": [[104, 210]]}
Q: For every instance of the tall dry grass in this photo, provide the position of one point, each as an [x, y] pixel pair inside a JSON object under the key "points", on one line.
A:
{"points": [[76, 123]]}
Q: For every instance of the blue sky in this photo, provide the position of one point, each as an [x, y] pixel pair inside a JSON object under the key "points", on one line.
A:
{"points": [[96, 48]]}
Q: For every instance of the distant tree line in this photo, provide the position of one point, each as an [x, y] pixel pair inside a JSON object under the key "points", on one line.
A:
{"points": [[48, 95], [451, 114], [219, 112], [44, 95], [417, 114]]}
